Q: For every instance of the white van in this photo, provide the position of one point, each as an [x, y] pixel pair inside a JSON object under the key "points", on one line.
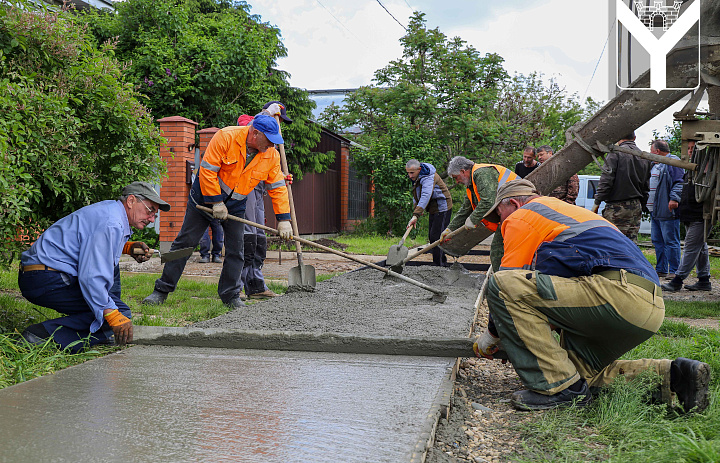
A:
{"points": [[586, 198]]}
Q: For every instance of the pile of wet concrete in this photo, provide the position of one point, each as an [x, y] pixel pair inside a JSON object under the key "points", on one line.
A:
{"points": [[365, 302]]}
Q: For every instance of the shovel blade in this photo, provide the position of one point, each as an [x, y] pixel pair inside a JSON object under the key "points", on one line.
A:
{"points": [[396, 254], [295, 277], [174, 255]]}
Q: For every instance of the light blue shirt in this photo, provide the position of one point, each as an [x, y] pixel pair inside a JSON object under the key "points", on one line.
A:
{"points": [[86, 244]]}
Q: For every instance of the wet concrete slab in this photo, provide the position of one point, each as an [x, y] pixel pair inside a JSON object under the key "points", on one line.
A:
{"points": [[180, 404]]}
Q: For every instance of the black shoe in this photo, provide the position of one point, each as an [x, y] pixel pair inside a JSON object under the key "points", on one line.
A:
{"points": [[700, 286], [673, 285], [204, 260], [35, 334], [528, 400], [217, 260], [235, 303], [661, 274], [156, 298], [689, 380]]}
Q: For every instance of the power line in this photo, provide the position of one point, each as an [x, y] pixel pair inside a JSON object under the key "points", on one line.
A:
{"points": [[406, 2], [598, 61], [391, 15], [343, 25]]}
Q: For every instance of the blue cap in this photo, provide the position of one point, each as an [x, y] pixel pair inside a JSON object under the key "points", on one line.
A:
{"points": [[269, 126]]}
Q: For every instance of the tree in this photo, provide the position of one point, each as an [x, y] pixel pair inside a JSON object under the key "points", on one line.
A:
{"points": [[72, 131], [209, 61], [447, 93]]}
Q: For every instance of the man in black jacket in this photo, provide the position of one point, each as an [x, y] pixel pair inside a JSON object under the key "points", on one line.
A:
{"points": [[624, 189]]}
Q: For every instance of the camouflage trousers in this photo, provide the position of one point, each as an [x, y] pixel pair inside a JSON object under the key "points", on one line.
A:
{"points": [[598, 319], [625, 215]]}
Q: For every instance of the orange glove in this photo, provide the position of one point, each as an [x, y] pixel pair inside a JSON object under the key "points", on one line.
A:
{"points": [[486, 345], [121, 326], [137, 250]]}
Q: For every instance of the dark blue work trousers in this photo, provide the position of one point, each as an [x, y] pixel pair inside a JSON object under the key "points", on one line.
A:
{"points": [[218, 238], [194, 225], [438, 222], [61, 292]]}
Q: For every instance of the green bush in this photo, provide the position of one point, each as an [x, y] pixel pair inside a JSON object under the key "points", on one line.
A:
{"points": [[72, 131]]}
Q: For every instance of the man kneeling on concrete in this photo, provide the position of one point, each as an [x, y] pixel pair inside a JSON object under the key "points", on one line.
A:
{"points": [[73, 268], [566, 269]]}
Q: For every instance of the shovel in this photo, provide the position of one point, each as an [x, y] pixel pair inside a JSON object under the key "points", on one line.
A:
{"points": [[170, 255], [303, 276], [401, 265], [438, 296], [397, 252]]}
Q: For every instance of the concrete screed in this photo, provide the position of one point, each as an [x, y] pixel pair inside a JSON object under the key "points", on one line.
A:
{"points": [[176, 404]]}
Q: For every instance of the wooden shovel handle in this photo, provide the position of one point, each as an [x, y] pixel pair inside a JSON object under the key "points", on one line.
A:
{"points": [[407, 232], [433, 245]]}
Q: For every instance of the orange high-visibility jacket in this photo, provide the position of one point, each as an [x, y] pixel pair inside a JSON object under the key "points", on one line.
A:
{"points": [[504, 175], [557, 238], [223, 172]]}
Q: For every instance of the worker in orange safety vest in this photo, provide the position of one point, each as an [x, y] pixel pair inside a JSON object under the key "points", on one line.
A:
{"points": [[236, 160], [482, 182]]}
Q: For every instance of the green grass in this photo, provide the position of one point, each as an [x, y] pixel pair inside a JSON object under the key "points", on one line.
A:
{"points": [[714, 263], [692, 309], [375, 245], [622, 426]]}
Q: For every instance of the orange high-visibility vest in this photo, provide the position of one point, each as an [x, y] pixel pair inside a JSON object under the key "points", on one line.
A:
{"points": [[504, 175], [544, 220], [223, 170]]}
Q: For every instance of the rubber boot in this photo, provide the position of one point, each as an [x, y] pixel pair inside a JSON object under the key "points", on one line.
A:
{"points": [[156, 298], [703, 284]]}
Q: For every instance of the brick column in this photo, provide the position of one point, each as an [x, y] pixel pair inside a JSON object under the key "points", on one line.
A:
{"points": [[344, 187], [205, 137], [180, 133]]}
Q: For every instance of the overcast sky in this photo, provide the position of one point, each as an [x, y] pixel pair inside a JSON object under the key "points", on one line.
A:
{"points": [[340, 44]]}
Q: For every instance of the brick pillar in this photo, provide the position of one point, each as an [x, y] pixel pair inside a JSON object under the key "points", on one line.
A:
{"points": [[344, 184], [180, 133], [205, 137]]}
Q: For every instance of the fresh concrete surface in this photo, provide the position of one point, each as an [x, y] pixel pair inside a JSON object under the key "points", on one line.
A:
{"points": [[178, 404]]}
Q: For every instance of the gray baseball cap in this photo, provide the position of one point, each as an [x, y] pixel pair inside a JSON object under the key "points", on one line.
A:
{"points": [[147, 191], [519, 187]]}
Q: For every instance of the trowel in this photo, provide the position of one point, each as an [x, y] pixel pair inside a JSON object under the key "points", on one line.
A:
{"points": [[397, 252], [170, 255]]}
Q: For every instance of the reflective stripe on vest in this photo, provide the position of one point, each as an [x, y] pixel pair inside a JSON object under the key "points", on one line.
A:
{"points": [[504, 176], [228, 191]]}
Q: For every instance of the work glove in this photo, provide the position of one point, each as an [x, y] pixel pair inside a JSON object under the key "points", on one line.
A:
{"points": [[486, 345], [273, 109], [121, 326], [412, 222], [469, 224], [285, 229], [289, 179], [444, 233], [138, 251], [595, 208], [220, 211]]}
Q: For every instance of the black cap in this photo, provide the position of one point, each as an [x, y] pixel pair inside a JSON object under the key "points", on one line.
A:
{"points": [[283, 112], [147, 191]]}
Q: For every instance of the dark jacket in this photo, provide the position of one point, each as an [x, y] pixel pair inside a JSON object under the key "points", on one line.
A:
{"points": [[430, 192], [629, 177], [689, 209], [668, 189]]}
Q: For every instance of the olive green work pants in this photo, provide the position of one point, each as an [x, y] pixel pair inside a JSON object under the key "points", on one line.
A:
{"points": [[598, 320]]}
